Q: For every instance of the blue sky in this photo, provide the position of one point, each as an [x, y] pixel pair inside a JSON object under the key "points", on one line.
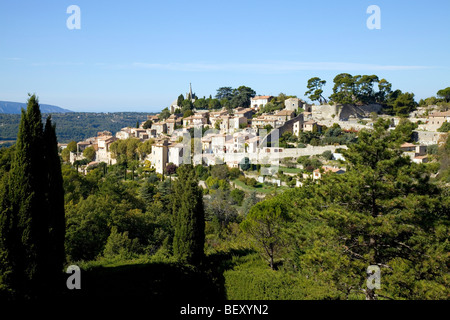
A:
{"points": [[140, 55]]}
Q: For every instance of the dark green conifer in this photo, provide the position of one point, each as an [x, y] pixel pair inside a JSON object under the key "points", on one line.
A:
{"points": [[32, 213], [188, 217]]}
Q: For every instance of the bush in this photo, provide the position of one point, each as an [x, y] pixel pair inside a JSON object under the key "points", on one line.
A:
{"points": [[251, 182], [234, 173], [237, 196], [433, 149], [118, 244], [327, 155], [445, 127], [261, 283]]}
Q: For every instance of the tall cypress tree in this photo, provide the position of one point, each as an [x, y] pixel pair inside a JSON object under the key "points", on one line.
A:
{"points": [[188, 217], [55, 200], [32, 214]]}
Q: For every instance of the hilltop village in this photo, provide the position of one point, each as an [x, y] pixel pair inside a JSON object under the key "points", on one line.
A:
{"points": [[285, 139]]}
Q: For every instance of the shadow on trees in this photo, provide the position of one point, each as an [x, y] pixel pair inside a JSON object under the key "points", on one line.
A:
{"points": [[158, 281]]}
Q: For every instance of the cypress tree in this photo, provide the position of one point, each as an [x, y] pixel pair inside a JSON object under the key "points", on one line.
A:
{"points": [[32, 220], [55, 200], [188, 217]]}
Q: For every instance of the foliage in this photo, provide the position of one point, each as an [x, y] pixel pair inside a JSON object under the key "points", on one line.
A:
{"points": [[237, 196], [75, 126], [315, 90], [444, 94], [264, 222], [127, 150], [188, 217], [445, 127], [147, 124], [384, 211], [32, 224], [89, 153]]}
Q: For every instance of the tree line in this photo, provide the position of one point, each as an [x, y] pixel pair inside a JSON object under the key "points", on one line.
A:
{"points": [[369, 89]]}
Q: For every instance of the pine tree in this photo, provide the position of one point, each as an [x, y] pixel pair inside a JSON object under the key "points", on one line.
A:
{"points": [[188, 217]]}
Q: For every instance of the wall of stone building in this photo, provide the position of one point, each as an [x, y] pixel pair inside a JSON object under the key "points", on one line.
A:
{"points": [[347, 111], [324, 111], [429, 137], [287, 127]]}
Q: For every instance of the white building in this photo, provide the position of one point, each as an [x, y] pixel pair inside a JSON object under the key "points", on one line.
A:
{"points": [[259, 101]]}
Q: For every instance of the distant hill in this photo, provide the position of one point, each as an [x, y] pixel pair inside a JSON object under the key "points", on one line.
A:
{"points": [[73, 125], [15, 107]]}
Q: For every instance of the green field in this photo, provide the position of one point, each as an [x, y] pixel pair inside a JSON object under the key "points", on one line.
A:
{"points": [[291, 170], [260, 187]]}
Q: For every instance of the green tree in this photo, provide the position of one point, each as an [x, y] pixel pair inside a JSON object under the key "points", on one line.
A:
{"points": [[65, 155], [224, 93], [188, 217], [444, 94], [343, 90], [89, 153], [403, 104], [72, 146], [180, 100], [187, 105], [242, 96], [55, 199], [188, 113], [445, 127], [264, 222], [237, 196], [32, 212], [364, 88], [383, 211], [147, 124], [315, 90], [384, 89], [164, 114]]}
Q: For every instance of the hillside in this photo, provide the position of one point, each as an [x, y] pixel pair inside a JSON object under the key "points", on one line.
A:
{"points": [[15, 107], [75, 125]]}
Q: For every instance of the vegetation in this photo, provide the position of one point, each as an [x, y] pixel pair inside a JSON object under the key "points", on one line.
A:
{"points": [[75, 126], [207, 228], [188, 217], [315, 90], [32, 221]]}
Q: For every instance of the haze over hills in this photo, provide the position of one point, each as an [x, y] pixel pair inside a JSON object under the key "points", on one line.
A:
{"points": [[15, 107]]}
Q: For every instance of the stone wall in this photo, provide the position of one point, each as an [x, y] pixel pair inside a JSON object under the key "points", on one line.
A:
{"points": [[429, 137]]}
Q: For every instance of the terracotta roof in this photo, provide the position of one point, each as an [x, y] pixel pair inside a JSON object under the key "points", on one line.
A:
{"points": [[440, 114], [245, 110], [407, 145], [284, 113], [328, 169], [261, 97]]}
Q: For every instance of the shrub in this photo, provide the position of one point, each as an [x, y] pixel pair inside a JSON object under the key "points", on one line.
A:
{"points": [[237, 196], [118, 244], [327, 155], [251, 182], [445, 127]]}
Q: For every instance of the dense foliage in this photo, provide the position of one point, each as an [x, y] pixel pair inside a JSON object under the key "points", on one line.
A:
{"points": [[75, 126], [32, 222]]}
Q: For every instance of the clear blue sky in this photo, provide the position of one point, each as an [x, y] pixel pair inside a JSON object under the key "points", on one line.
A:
{"points": [[140, 55]]}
